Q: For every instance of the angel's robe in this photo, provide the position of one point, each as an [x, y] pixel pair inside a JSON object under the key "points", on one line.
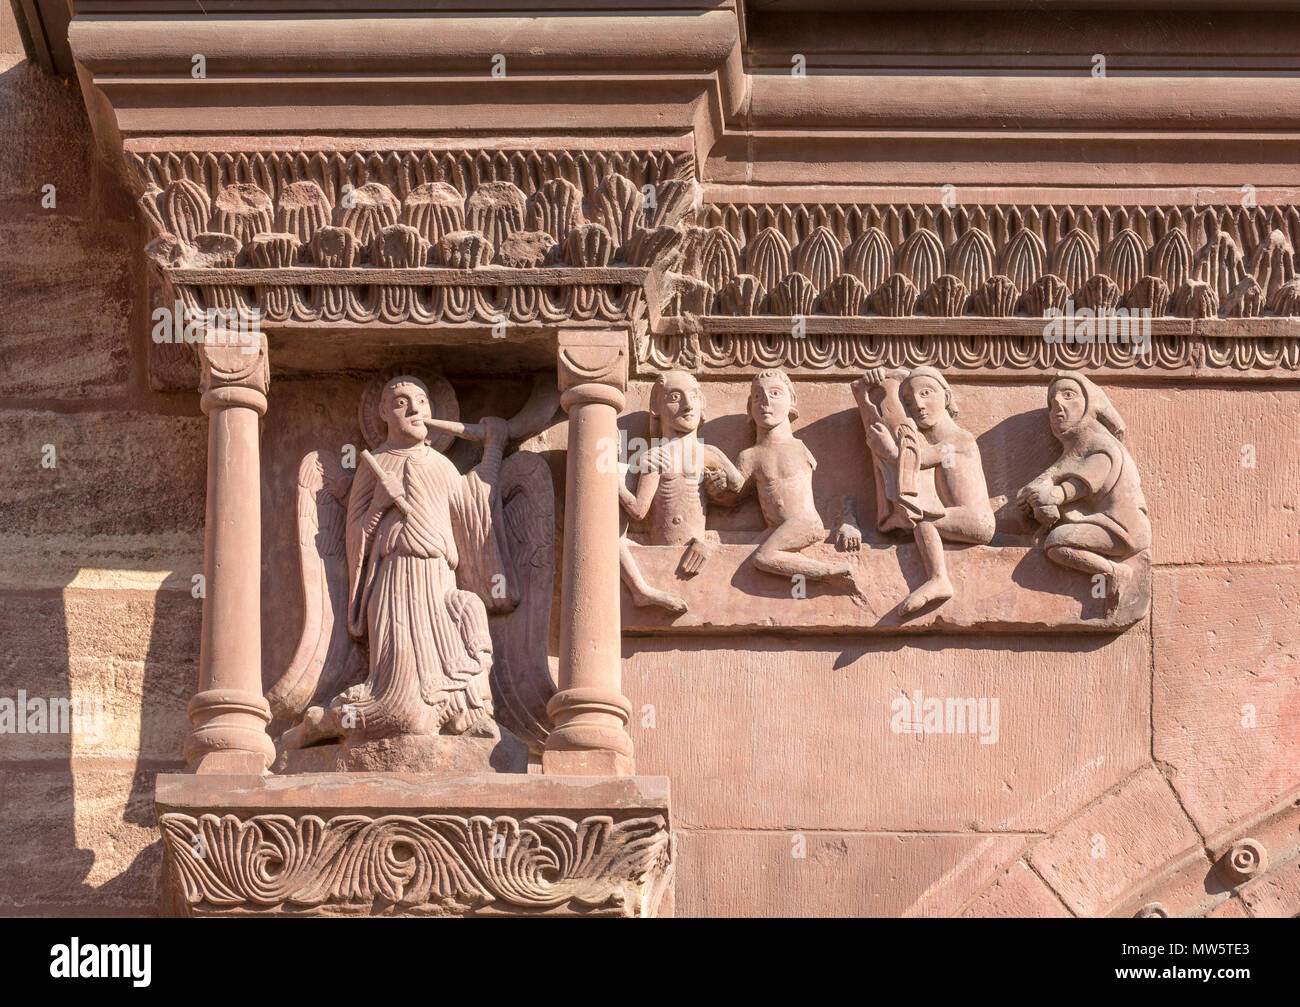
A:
{"points": [[420, 584]]}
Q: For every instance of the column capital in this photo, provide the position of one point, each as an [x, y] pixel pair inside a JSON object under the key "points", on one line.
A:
{"points": [[234, 370], [592, 367]]}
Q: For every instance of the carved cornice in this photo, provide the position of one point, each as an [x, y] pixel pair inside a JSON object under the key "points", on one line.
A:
{"points": [[431, 864], [1187, 350], [419, 237], [996, 261], [413, 236]]}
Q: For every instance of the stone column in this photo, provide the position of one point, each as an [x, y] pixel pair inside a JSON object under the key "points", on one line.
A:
{"points": [[229, 713], [590, 712]]}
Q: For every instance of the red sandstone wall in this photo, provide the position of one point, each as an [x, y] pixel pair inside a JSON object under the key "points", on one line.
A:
{"points": [[96, 554]]}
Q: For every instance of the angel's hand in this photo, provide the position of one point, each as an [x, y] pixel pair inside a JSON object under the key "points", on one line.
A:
{"points": [[388, 491], [495, 429], [849, 537], [697, 554]]}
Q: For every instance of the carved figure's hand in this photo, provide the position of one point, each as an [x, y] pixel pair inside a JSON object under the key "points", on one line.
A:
{"points": [[657, 459], [697, 554], [1038, 502], [715, 481], [849, 537], [1039, 494], [880, 440], [495, 429], [388, 490]]}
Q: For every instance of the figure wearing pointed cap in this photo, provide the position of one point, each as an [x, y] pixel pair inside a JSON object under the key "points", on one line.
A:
{"points": [[1091, 498], [929, 474]]}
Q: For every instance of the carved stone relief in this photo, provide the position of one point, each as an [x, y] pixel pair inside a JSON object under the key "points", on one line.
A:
{"points": [[427, 592], [930, 484], [434, 864]]}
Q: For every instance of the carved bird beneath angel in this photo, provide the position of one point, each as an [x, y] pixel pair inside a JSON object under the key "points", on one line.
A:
{"points": [[427, 590]]}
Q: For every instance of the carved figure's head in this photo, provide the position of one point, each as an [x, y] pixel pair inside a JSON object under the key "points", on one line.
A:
{"points": [[926, 395], [1074, 403], [772, 400], [404, 408], [676, 404]]}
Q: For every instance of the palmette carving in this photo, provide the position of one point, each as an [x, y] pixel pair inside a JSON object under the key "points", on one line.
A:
{"points": [[1074, 245], [542, 862]]}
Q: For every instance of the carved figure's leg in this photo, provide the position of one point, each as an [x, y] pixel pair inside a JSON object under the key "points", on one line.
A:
{"points": [[1091, 549], [642, 593], [779, 554], [967, 525], [937, 587]]}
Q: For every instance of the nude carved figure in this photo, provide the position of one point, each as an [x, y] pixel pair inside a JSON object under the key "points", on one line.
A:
{"points": [[929, 474], [779, 469], [676, 477]]}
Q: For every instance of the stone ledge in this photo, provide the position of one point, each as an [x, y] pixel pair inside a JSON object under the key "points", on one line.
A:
{"points": [[383, 844], [998, 589]]}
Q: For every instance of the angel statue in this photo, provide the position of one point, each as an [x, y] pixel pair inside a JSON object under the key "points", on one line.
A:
{"points": [[427, 592]]}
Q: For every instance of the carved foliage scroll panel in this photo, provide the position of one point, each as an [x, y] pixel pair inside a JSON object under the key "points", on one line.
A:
{"points": [[433, 864]]}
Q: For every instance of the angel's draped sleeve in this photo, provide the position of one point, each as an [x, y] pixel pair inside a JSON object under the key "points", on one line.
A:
{"points": [[359, 540], [476, 524]]}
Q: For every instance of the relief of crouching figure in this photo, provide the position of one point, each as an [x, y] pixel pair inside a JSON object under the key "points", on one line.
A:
{"points": [[1090, 500]]}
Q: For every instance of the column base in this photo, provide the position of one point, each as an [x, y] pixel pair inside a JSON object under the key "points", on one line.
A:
{"points": [[587, 763], [402, 844], [230, 763]]}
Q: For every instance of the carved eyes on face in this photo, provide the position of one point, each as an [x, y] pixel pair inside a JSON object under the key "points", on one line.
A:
{"points": [[404, 402]]}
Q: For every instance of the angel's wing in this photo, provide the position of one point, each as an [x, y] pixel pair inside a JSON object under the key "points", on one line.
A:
{"points": [[522, 682], [327, 659]]}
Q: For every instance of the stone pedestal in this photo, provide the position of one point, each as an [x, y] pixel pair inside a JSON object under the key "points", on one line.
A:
{"points": [[381, 844]]}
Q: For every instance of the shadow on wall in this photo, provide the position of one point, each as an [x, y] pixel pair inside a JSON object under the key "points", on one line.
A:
{"points": [[77, 819]]}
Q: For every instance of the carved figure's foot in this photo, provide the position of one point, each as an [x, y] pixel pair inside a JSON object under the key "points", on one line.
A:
{"points": [[484, 727], [841, 575], [933, 590], [306, 733], [1117, 584], [664, 599]]}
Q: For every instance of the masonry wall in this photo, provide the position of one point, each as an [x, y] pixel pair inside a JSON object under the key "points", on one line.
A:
{"points": [[1136, 737]]}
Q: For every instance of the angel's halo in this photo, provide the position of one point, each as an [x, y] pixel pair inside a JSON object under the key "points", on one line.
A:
{"points": [[442, 401]]}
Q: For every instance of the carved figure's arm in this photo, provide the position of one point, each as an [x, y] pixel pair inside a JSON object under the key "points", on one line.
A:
{"points": [[638, 504], [735, 482], [727, 478]]}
